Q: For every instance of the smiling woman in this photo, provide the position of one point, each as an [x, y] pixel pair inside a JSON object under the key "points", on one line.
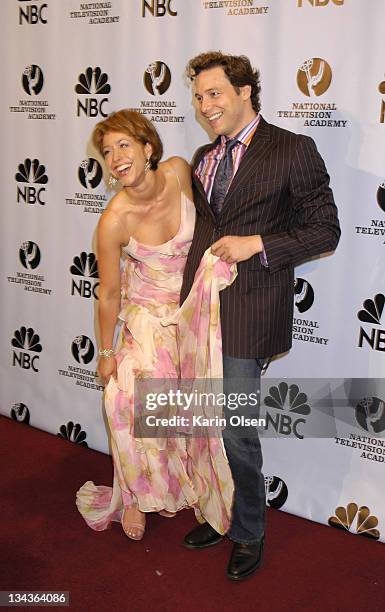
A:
{"points": [[149, 225], [132, 127]]}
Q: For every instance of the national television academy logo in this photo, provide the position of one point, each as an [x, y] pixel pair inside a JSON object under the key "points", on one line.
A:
{"points": [[29, 255], [20, 413], [304, 294], [381, 89], [157, 78], [370, 415], [276, 492], [314, 77], [90, 173], [82, 349], [32, 80], [381, 196]]}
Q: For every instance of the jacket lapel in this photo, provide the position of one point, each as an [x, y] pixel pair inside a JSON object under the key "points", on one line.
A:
{"points": [[196, 182]]}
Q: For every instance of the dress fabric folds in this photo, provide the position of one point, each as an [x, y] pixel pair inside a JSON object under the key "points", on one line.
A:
{"points": [[160, 340]]}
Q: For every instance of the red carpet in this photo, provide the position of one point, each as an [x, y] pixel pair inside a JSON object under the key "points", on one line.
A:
{"points": [[45, 545]]}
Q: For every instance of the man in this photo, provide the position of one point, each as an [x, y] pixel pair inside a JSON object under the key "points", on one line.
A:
{"points": [[263, 201]]}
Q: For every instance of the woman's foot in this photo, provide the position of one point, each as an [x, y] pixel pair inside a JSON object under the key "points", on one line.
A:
{"points": [[166, 513], [133, 523]]}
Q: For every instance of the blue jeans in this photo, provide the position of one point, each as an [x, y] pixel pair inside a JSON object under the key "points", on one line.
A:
{"points": [[244, 453]]}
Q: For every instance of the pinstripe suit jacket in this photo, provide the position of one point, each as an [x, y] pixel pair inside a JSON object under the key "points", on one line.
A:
{"points": [[280, 191]]}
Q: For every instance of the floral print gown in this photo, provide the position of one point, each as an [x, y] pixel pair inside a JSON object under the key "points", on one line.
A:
{"points": [[159, 339]]}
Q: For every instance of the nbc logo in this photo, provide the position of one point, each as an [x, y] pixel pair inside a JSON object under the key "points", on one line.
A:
{"points": [[314, 77], [371, 313], [29, 255], [84, 265], [73, 433], [158, 8], [92, 82], [25, 339], [291, 399], [356, 520], [157, 78], [32, 172], [32, 80], [90, 173], [301, 3], [82, 349], [32, 13]]}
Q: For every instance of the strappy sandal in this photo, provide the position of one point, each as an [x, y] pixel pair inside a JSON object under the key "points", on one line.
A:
{"points": [[133, 529]]}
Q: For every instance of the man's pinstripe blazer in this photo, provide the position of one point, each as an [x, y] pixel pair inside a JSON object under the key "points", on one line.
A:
{"points": [[280, 191]]}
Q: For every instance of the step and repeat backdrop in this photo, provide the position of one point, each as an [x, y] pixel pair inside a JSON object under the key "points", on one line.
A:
{"points": [[70, 63]]}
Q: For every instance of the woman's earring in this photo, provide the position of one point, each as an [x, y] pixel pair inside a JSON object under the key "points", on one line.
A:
{"points": [[147, 166], [112, 181]]}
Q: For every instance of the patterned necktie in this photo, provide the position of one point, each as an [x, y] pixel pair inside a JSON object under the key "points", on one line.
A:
{"points": [[223, 177]]}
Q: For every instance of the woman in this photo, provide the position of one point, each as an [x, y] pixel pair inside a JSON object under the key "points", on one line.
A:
{"points": [[148, 224]]}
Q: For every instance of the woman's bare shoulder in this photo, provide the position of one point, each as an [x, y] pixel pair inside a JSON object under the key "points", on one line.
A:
{"points": [[112, 219], [182, 169], [180, 165]]}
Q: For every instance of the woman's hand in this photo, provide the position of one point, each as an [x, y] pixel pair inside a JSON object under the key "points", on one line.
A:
{"points": [[107, 368]]}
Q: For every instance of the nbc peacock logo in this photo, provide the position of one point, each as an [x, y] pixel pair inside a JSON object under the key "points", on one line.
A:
{"points": [[357, 520], [26, 341], [84, 265], [371, 314], [92, 82], [73, 433], [290, 404], [31, 174]]}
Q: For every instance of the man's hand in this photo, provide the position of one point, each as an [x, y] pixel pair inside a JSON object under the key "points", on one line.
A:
{"points": [[237, 248]]}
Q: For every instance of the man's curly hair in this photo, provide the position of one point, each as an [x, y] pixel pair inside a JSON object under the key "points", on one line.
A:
{"points": [[237, 68]]}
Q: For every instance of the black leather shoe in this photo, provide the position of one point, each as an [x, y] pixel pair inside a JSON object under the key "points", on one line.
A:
{"points": [[202, 537], [244, 560]]}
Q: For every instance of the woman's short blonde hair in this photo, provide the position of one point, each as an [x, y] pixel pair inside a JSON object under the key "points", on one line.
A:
{"points": [[134, 125]]}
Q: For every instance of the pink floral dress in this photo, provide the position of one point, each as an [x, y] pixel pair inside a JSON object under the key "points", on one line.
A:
{"points": [[159, 339]]}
